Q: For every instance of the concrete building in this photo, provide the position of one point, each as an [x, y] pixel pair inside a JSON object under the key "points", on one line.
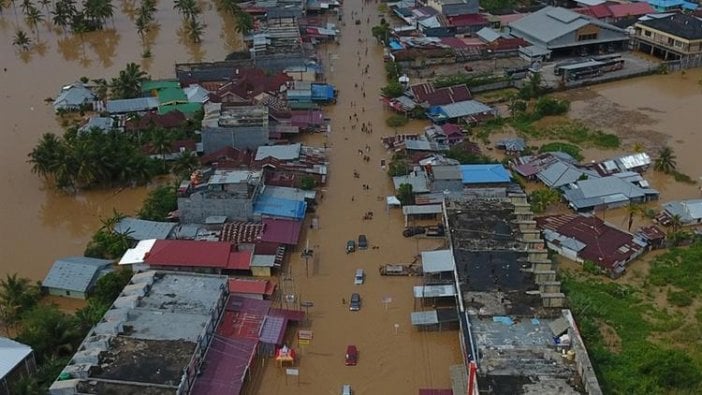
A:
{"points": [[516, 336], [243, 127], [229, 193], [675, 37], [564, 32], [152, 340], [75, 277], [16, 362]]}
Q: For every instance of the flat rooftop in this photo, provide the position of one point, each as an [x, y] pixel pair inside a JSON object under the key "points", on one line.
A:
{"points": [[149, 337]]}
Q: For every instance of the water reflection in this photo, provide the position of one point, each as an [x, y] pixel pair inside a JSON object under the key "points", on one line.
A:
{"points": [[67, 212], [104, 44]]}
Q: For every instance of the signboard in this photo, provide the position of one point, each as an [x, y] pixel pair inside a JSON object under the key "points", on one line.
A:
{"points": [[292, 372], [304, 337], [307, 304]]}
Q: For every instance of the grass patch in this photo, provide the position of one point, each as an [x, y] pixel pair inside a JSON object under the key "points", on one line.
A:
{"points": [[570, 131], [570, 149], [680, 298]]}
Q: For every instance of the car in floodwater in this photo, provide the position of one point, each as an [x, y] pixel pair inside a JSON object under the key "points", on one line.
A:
{"points": [[350, 246], [355, 302], [351, 355]]}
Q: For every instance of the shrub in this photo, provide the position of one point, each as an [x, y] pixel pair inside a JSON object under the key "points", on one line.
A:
{"points": [[591, 267], [551, 106], [395, 121], [570, 149], [392, 89], [680, 298]]}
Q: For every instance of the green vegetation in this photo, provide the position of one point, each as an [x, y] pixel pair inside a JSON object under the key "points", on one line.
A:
{"points": [[381, 32], [399, 165], [570, 149], [307, 183], [666, 162], [53, 335], [532, 88], [93, 14], [396, 121], [22, 41], [128, 82], [469, 80], [159, 203], [405, 194], [392, 71], [106, 243], [461, 153], [542, 199], [492, 6], [392, 89], [641, 344], [94, 158]]}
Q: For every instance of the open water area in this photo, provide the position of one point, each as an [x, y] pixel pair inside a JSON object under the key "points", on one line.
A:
{"points": [[38, 224]]}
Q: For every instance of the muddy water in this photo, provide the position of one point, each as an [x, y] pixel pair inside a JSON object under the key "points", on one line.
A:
{"points": [[388, 363], [38, 225]]}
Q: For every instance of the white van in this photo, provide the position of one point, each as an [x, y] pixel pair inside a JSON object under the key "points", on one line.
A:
{"points": [[358, 278], [346, 389]]}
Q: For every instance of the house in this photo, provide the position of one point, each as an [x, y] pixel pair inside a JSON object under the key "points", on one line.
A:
{"points": [[243, 127], [470, 111], [612, 191], [427, 95], [140, 229], [211, 257], [417, 179], [638, 162], [75, 277], [454, 7], [74, 97], [267, 206], [170, 120], [446, 178], [672, 5], [479, 176], [652, 235], [447, 134], [293, 160], [196, 94], [16, 362], [615, 12], [588, 238], [103, 124], [674, 37], [251, 288], [228, 158], [136, 105], [512, 146], [279, 152], [250, 82], [564, 32], [688, 211], [559, 173], [229, 193]]}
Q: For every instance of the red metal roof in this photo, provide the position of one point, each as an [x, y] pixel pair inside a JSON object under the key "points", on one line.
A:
{"points": [[441, 96], [248, 286], [214, 254], [241, 232], [282, 231], [226, 363], [435, 392], [604, 245], [467, 20], [630, 9], [172, 119], [239, 260], [306, 118]]}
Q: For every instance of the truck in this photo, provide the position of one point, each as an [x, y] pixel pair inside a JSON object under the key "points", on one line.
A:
{"points": [[400, 270]]}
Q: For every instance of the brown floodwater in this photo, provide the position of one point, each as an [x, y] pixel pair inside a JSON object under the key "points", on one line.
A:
{"points": [[38, 224]]}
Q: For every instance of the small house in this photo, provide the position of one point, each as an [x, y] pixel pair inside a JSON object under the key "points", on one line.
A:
{"points": [[74, 97], [16, 361], [75, 277]]}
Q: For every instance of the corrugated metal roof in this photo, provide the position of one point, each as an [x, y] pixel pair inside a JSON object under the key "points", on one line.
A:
{"points": [[283, 208], [484, 174], [463, 109], [11, 354], [633, 161], [437, 261], [138, 104], [420, 210], [688, 210], [75, 273], [263, 261], [488, 34], [280, 152], [418, 180], [211, 254], [278, 230], [139, 229], [424, 318], [447, 172], [434, 291]]}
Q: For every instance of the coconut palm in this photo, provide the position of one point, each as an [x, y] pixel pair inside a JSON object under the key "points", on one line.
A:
{"points": [[676, 222], [161, 141], [46, 155], [230, 6], [128, 83], [33, 17], [22, 41], [633, 209], [194, 29], [63, 13], [185, 163], [17, 295], [244, 23], [98, 12], [187, 8], [666, 160]]}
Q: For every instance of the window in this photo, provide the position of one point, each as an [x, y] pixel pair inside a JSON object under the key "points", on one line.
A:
{"points": [[647, 33], [586, 37]]}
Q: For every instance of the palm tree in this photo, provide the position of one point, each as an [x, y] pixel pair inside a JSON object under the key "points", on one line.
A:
{"points": [[632, 209], [230, 6], [244, 23], [45, 157], [101, 88], [128, 84], [161, 141], [98, 11], [184, 165], [195, 29], [22, 41], [676, 222], [17, 295], [33, 17], [665, 162], [187, 8], [63, 13]]}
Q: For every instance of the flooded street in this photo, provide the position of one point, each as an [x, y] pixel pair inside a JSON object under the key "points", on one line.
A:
{"points": [[389, 362], [39, 225]]}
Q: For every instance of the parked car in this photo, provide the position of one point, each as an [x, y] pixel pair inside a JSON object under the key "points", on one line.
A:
{"points": [[351, 355], [355, 303], [350, 246], [362, 242], [346, 389], [358, 277]]}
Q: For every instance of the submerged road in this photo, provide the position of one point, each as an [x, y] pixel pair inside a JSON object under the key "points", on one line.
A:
{"points": [[391, 360]]}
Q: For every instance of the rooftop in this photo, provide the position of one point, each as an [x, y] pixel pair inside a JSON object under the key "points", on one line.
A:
{"points": [[280, 152], [11, 354], [680, 25], [75, 273], [139, 229], [484, 174], [149, 336]]}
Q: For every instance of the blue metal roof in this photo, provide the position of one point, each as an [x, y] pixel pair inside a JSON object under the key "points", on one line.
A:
{"points": [[322, 92], [484, 174], [75, 273], [283, 208]]}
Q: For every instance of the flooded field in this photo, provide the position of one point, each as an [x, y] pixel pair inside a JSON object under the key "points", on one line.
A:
{"points": [[37, 224]]}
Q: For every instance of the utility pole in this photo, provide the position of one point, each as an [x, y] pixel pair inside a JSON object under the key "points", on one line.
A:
{"points": [[307, 254]]}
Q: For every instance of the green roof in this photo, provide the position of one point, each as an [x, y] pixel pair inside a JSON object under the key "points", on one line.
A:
{"points": [[172, 95], [156, 85], [186, 108]]}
